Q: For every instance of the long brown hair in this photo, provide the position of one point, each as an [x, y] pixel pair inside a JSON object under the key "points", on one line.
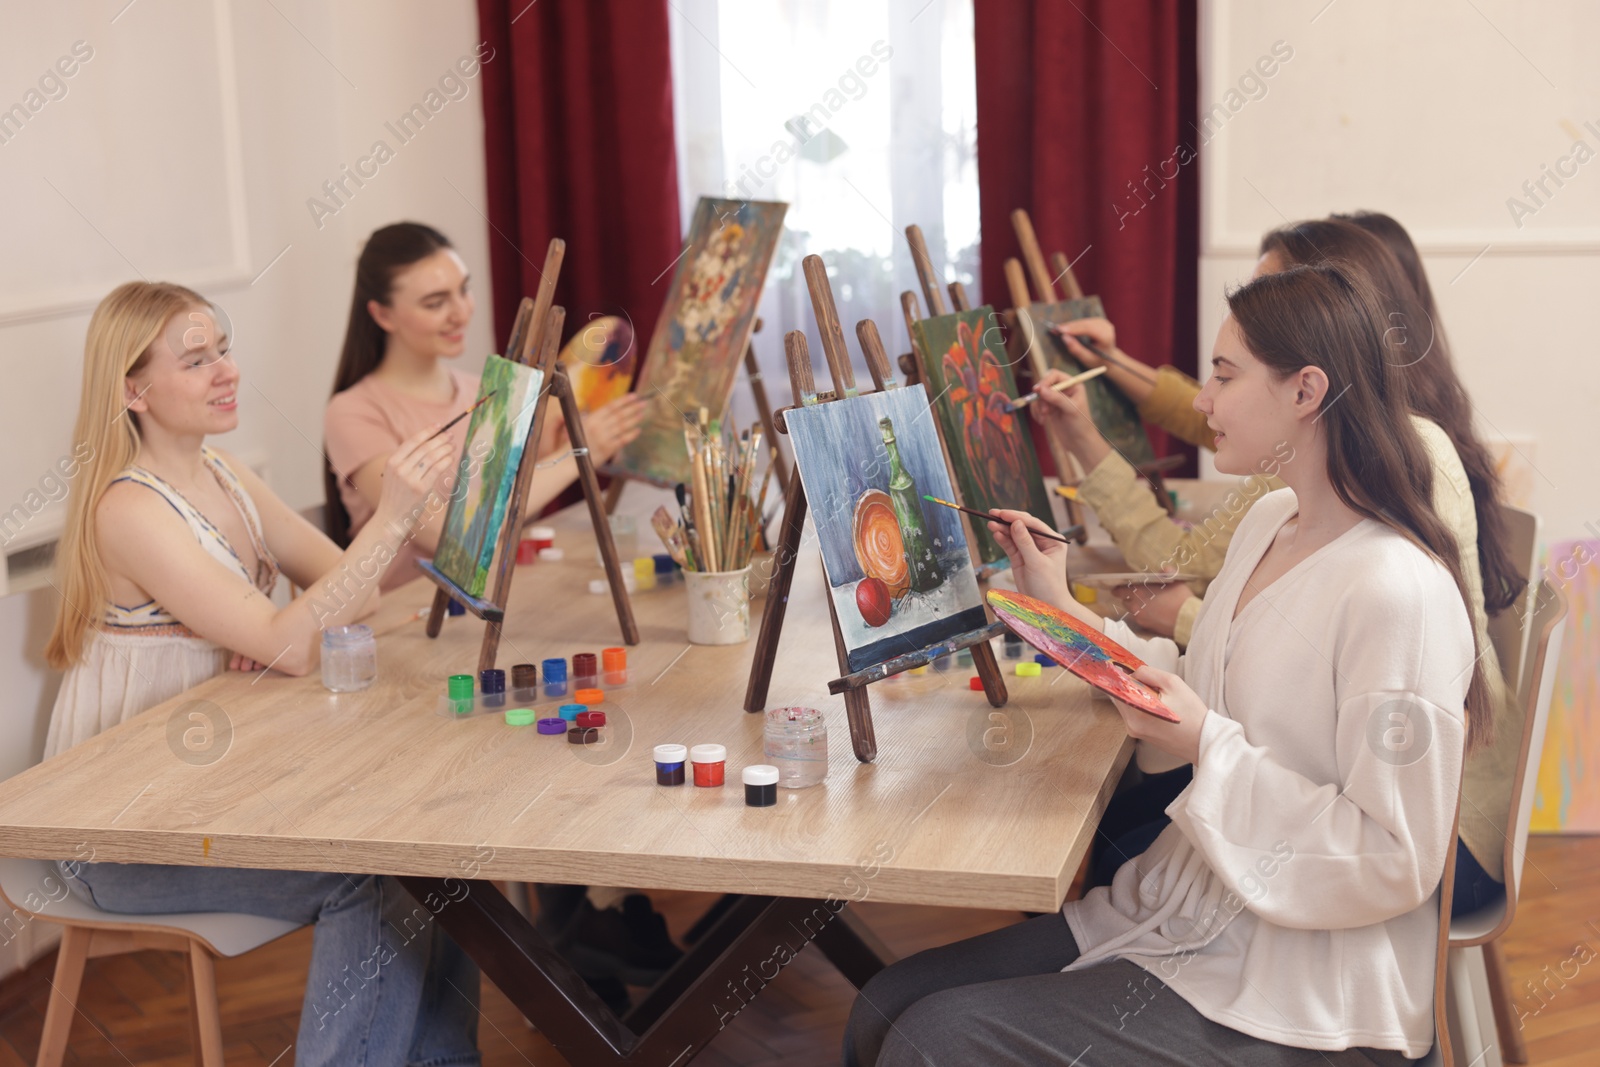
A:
{"points": [[1330, 315], [121, 330], [387, 252], [1380, 247]]}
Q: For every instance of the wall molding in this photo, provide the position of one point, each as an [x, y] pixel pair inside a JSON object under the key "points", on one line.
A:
{"points": [[81, 299]]}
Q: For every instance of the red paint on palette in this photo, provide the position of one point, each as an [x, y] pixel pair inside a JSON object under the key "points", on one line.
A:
{"points": [[1092, 656]]}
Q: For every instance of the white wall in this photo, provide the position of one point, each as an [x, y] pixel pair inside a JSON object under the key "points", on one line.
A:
{"points": [[186, 149], [1435, 112]]}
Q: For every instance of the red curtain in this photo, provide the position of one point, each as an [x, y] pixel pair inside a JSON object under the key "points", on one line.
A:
{"points": [[1086, 118], [577, 108]]}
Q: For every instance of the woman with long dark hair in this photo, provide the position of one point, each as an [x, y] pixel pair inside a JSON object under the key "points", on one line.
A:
{"points": [[408, 320], [1465, 495], [1293, 902]]}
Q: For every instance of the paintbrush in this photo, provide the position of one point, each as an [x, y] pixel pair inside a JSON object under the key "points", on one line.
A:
{"points": [[1023, 401], [671, 534], [350, 479], [994, 518]]}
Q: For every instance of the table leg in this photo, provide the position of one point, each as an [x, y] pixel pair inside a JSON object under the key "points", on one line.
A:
{"points": [[853, 949], [737, 958]]}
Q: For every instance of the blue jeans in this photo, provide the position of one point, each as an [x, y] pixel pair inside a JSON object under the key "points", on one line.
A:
{"points": [[388, 987]]}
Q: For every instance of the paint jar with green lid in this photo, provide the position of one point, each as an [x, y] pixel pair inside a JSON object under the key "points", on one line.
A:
{"points": [[460, 688]]}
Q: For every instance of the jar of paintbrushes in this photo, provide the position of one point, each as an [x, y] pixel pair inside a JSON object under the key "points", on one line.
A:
{"points": [[719, 526]]}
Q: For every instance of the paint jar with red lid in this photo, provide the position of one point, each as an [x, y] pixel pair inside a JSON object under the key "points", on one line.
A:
{"points": [[710, 764]]}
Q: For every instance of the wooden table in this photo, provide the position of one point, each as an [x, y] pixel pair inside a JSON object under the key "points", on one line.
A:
{"points": [[966, 805]]}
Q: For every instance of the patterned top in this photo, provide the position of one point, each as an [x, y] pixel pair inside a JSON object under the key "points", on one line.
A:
{"points": [[150, 618]]}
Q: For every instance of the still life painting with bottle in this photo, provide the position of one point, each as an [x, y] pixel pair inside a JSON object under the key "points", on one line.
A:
{"points": [[898, 568]]}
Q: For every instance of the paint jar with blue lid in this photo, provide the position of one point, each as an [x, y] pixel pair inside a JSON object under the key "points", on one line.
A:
{"points": [[555, 677], [492, 684], [349, 658], [669, 764]]}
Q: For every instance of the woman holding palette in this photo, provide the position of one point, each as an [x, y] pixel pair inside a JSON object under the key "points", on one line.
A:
{"points": [[193, 541], [408, 320], [1310, 845], [1465, 491]]}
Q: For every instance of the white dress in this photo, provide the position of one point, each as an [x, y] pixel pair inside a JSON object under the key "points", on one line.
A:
{"points": [[140, 656], [1294, 897]]}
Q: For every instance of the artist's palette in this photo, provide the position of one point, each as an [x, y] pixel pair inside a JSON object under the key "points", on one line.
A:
{"points": [[1093, 657], [600, 362]]}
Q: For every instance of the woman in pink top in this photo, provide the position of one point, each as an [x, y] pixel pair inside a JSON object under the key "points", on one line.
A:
{"points": [[408, 320]]}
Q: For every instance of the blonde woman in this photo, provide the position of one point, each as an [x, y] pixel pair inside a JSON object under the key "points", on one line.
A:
{"points": [[171, 551]]}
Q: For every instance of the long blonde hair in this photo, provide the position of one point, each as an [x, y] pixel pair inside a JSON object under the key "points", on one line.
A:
{"points": [[121, 332]]}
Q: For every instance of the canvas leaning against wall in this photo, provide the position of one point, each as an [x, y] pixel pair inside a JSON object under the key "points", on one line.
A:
{"points": [[497, 434], [701, 335], [898, 567], [990, 447]]}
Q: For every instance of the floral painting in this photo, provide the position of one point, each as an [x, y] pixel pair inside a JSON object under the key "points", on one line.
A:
{"points": [[991, 449], [700, 337]]}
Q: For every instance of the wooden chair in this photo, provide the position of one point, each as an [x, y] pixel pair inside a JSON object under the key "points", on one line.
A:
{"points": [[1478, 979], [88, 932]]}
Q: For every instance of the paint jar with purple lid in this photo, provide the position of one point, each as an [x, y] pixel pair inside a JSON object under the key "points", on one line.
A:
{"points": [[669, 764], [795, 741]]}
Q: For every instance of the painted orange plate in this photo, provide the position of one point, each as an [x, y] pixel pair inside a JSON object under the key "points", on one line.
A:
{"points": [[875, 532]]}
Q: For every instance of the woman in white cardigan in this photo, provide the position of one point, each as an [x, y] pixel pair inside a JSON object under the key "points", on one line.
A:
{"points": [[1324, 700]]}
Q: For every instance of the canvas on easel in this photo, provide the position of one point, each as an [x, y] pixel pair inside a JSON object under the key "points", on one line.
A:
{"points": [[901, 585], [1116, 416], [702, 331], [479, 546], [962, 360]]}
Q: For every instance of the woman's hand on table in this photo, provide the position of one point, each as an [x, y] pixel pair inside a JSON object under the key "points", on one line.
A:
{"points": [[1178, 739], [240, 662], [1038, 564], [1155, 607]]}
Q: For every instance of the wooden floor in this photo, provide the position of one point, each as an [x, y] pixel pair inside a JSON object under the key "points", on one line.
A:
{"points": [[134, 1009]]}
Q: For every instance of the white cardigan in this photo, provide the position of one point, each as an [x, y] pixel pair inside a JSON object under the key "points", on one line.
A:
{"points": [[1295, 895]]}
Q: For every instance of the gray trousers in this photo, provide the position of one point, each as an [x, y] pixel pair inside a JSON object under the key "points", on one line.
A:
{"points": [[1001, 998]]}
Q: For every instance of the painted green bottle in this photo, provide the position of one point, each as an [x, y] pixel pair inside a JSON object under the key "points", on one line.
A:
{"points": [[925, 573]]}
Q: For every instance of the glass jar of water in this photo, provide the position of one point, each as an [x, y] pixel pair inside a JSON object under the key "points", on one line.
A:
{"points": [[796, 742], [349, 658]]}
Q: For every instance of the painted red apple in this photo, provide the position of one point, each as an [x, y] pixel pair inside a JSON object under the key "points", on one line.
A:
{"points": [[872, 600]]}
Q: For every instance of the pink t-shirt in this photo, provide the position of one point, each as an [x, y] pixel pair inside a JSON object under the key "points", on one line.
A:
{"points": [[369, 420]]}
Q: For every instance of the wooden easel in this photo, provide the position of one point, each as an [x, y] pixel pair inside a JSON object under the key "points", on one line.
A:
{"points": [[853, 685], [536, 341], [936, 307], [1044, 287]]}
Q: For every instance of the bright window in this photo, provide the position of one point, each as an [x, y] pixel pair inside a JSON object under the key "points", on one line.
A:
{"points": [[861, 115]]}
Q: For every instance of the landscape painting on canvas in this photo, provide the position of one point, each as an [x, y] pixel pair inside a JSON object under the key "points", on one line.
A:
{"points": [[1114, 414], [898, 566], [991, 448], [700, 337], [496, 436]]}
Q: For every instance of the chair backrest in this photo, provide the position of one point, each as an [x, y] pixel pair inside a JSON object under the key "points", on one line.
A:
{"points": [[1509, 630], [1443, 1053], [1539, 676]]}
